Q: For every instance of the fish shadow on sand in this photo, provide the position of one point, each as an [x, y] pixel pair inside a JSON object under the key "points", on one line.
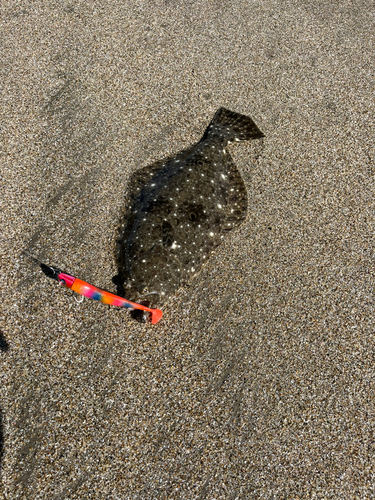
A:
{"points": [[179, 209], [1, 441], [4, 346]]}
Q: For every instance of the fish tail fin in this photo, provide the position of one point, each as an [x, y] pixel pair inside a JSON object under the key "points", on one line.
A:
{"points": [[231, 126]]}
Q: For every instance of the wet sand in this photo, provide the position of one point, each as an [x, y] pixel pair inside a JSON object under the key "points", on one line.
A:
{"points": [[259, 381]]}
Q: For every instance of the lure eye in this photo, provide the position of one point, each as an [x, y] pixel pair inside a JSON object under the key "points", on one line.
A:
{"points": [[62, 282]]}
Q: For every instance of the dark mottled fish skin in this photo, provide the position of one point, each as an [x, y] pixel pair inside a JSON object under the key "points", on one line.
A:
{"points": [[181, 210]]}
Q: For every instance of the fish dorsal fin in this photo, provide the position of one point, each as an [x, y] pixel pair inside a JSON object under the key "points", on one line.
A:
{"points": [[141, 177]]}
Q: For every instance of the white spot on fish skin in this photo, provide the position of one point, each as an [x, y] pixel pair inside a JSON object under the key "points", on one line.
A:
{"points": [[192, 269], [219, 206], [143, 260], [211, 234], [174, 245], [202, 175], [212, 181], [223, 176], [236, 139], [153, 185]]}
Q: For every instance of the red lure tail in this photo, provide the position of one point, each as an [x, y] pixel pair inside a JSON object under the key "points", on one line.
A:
{"points": [[156, 315]]}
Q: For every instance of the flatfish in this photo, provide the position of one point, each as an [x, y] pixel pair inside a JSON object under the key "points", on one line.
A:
{"points": [[180, 211]]}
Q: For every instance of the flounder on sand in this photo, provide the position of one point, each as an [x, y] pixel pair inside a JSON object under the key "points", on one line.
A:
{"points": [[180, 211]]}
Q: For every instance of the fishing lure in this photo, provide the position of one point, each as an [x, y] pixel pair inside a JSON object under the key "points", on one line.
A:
{"points": [[92, 292]]}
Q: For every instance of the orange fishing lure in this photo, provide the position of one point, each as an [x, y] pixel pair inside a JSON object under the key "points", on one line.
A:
{"points": [[92, 292], [95, 293]]}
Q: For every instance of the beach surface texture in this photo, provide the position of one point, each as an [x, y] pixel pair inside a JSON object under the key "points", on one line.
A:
{"points": [[259, 381]]}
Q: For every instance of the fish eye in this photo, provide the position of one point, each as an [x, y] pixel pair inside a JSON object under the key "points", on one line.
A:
{"points": [[145, 289]]}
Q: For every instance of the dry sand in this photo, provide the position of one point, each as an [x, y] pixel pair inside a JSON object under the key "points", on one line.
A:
{"points": [[259, 381]]}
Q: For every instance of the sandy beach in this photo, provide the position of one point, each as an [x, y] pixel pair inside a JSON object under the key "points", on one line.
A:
{"points": [[259, 381]]}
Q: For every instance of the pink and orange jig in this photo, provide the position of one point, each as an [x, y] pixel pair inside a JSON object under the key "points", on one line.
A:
{"points": [[92, 292]]}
